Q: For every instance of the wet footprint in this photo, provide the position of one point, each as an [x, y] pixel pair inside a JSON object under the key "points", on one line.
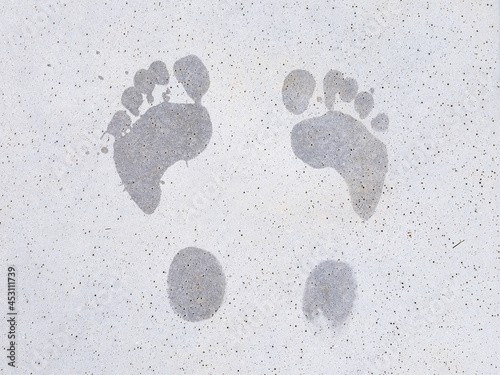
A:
{"points": [[330, 291], [165, 134], [196, 284], [338, 140]]}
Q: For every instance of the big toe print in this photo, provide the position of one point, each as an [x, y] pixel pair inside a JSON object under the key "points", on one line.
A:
{"points": [[163, 135], [338, 140], [196, 284]]}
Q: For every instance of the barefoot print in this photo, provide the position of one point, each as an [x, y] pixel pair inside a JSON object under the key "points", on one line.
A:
{"points": [[338, 140], [163, 135], [196, 284]]}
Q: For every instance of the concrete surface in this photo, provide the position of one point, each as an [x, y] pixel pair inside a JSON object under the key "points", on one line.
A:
{"points": [[383, 259]]}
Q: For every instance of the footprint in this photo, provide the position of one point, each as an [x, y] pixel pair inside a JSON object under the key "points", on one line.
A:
{"points": [[338, 140], [165, 134], [331, 291], [196, 284]]}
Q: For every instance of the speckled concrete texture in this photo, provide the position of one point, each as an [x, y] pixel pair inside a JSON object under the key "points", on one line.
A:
{"points": [[166, 216]]}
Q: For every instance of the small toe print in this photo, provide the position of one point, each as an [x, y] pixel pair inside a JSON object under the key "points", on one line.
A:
{"points": [[349, 91], [196, 284], [159, 73], [330, 290], [334, 83], [363, 104], [381, 122], [145, 83], [132, 100], [297, 90]]}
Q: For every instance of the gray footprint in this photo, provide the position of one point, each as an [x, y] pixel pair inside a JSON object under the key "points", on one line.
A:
{"points": [[330, 291], [338, 140], [163, 135], [196, 284]]}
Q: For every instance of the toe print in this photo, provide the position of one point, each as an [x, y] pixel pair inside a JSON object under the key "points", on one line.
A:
{"points": [[165, 134], [144, 82], [297, 91], [193, 75], [132, 100], [338, 140], [334, 83], [196, 284], [381, 122], [159, 72], [363, 104], [330, 291]]}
